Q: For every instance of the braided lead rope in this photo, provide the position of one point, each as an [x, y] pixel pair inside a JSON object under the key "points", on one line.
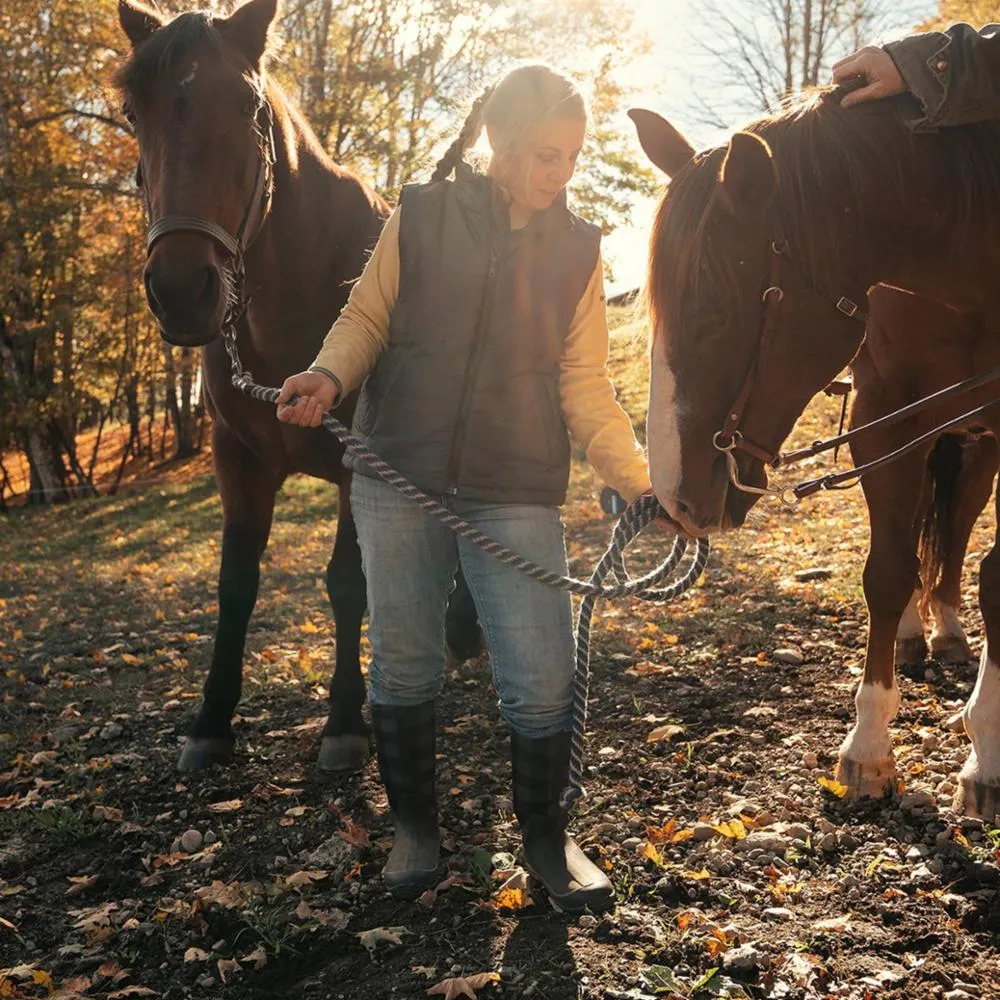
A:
{"points": [[636, 517]]}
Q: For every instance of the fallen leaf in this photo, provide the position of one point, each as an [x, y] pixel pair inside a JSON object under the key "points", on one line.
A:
{"points": [[699, 876], [463, 986], [303, 911], [650, 852], [298, 879], [80, 884], [4, 922], [132, 991], [228, 967], [834, 787], [195, 955], [837, 924], [258, 956], [353, 833], [427, 971], [662, 733], [371, 939], [229, 806]]}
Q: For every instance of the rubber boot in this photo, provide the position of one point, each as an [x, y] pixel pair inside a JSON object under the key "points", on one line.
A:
{"points": [[541, 771], [404, 743]]}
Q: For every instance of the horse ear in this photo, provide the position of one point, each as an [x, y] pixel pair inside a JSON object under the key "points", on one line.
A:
{"points": [[747, 177], [660, 141], [137, 21], [247, 28]]}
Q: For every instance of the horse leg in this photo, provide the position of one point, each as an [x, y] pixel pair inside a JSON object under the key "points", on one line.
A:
{"points": [[866, 764], [972, 492], [979, 781], [345, 745], [463, 635], [247, 491]]}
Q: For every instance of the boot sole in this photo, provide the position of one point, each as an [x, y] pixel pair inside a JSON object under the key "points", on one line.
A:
{"points": [[572, 903], [411, 886]]}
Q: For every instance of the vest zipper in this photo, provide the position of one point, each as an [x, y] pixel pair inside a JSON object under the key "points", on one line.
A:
{"points": [[471, 371]]}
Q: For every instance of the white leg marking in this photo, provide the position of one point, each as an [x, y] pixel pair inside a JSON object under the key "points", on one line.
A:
{"points": [[946, 620], [662, 432], [911, 625], [982, 723], [869, 740]]}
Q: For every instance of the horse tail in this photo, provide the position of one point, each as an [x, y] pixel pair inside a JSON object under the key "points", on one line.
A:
{"points": [[945, 466]]}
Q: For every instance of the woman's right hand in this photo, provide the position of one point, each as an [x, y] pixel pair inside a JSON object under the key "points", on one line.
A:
{"points": [[315, 394]]}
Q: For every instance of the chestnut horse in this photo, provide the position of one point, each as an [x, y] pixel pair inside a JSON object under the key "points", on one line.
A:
{"points": [[251, 223], [762, 252]]}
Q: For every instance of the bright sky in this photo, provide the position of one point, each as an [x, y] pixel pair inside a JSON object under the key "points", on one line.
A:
{"points": [[675, 68]]}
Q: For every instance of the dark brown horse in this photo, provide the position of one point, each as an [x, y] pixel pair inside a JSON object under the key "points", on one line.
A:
{"points": [[761, 251], [245, 205]]}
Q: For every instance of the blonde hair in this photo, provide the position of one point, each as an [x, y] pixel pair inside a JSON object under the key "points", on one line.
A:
{"points": [[524, 98]]}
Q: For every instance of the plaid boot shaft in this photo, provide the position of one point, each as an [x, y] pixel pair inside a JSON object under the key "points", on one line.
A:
{"points": [[405, 743], [541, 770], [405, 746]]}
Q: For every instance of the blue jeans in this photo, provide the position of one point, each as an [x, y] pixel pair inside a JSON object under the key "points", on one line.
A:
{"points": [[410, 560]]}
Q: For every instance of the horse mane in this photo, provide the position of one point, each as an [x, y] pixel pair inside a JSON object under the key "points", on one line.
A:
{"points": [[864, 153]]}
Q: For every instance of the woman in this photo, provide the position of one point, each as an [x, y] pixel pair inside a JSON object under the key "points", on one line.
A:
{"points": [[480, 325]]}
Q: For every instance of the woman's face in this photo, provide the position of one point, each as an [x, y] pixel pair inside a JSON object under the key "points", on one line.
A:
{"points": [[537, 169]]}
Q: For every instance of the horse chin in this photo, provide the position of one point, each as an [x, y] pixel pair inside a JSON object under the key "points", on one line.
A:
{"points": [[187, 336]]}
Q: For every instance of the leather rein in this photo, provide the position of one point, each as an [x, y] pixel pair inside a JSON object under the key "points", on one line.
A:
{"points": [[731, 439]]}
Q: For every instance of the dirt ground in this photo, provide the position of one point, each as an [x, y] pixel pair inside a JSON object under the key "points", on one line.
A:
{"points": [[738, 872]]}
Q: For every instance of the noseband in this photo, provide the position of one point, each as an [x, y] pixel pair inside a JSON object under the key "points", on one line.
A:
{"points": [[254, 215]]}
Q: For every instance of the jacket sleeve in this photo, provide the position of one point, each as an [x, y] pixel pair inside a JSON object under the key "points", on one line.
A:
{"points": [[361, 331], [590, 407], [954, 75]]}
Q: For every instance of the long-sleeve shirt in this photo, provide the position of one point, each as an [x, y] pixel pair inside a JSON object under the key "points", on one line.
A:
{"points": [[588, 402], [953, 74]]}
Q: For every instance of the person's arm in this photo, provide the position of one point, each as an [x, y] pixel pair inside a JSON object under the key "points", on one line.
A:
{"points": [[355, 341], [954, 75], [590, 407]]}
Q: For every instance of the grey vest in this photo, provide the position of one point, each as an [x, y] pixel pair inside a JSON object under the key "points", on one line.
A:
{"points": [[465, 399]]}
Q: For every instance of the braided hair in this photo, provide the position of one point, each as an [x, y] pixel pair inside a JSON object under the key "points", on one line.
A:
{"points": [[471, 129], [523, 98]]}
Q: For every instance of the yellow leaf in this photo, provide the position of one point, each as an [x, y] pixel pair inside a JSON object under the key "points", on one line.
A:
{"points": [[132, 661], [41, 978], [309, 628], [649, 851], [698, 876], [834, 787]]}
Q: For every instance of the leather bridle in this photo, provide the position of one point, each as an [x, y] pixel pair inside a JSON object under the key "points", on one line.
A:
{"points": [[254, 215], [731, 439]]}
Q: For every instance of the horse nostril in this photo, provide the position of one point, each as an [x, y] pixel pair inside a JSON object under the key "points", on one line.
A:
{"points": [[154, 303], [209, 294]]}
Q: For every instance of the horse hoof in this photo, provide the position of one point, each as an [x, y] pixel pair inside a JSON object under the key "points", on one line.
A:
{"points": [[956, 724], [867, 778], [951, 649], [200, 753], [911, 651], [977, 799], [349, 752]]}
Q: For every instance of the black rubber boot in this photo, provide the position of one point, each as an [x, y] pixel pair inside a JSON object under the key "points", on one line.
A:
{"points": [[404, 743], [541, 770]]}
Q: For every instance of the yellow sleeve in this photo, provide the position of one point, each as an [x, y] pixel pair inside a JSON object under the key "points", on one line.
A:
{"points": [[589, 404], [361, 331]]}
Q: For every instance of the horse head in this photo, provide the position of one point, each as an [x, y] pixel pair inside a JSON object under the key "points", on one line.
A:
{"points": [[194, 91], [741, 338]]}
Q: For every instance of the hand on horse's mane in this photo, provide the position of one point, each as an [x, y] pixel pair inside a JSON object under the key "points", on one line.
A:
{"points": [[867, 75]]}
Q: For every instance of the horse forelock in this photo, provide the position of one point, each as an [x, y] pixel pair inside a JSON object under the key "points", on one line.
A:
{"points": [[684, 259], [169, 47]]}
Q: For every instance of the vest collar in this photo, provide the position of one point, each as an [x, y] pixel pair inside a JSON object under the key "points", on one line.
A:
{"points": [[481, 193]]}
